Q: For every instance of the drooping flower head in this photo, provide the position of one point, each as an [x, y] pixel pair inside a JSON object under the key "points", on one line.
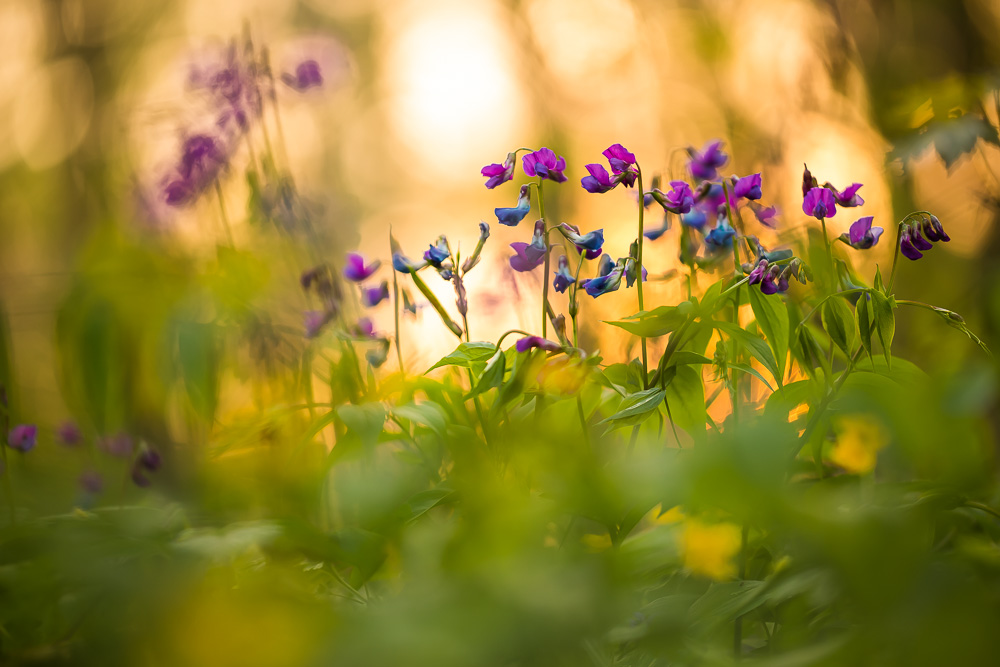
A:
{"points": [[748, 187], [808, 182], [530, 255], [500, 173], [705, 165], [23, 437], [356, 270], [862, 235], [849, 197], [544, 163], [932, 229], [563, 278], [512, 216], [912, 242], [373, 296], [531, 342], [588, 244], [819, 203]]}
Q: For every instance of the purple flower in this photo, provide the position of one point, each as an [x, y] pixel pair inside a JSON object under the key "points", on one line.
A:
{"points": [[849, 197], [808, 182], [512, 216], [356, 270], [91, 482], [563, 277], [373, 296], [365, 328], [933, 230], [630, 272], [118, 445], [69, 434], [588, 244], [529, 342], [757, 274], [748, 187], [766, 216], [307, 75], [500, 173], [23, 437], [622, 163], [919, 242], [315, 320], [695, 218], [544, 164], [530, 255], [862, 235], [599, 180], [704, 165], [609, 278], [679, 200], [819, 203]]}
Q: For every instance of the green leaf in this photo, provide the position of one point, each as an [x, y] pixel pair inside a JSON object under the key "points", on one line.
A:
{"points": [[863, 316], [885, 321], [746, 368], [756, 345], [637, 405], [198, 361], [839, 323], [492, 375], [652, 323], [365, 421], [465, 355], [879, 285], [685, 396], [424, 501], [772, 318], [687, 358], [428, 414]]}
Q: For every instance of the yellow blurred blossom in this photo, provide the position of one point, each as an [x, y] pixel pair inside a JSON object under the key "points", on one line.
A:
{"points": [[657, 516], [597, 542], [709, 549], [859, 438]]}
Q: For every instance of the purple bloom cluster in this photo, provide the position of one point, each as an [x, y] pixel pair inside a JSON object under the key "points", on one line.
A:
{"points": [[23, 437], [917, 237], [543, 163], [623, 170]]}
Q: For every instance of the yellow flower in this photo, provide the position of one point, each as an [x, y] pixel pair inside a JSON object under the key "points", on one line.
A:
{"points": [[596, 542], [673, 515], [709, 549], [859, 438]]}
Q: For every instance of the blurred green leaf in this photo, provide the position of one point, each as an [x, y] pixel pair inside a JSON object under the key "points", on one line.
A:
{"points": [[772, 318]]}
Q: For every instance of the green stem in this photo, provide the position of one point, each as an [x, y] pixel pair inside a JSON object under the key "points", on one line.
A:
{"points": [[818, 413], [738, 625], [432, 298], [638, 279], [982, 507], [545, 275], [395, 301], [829, 248], [895, 259]]}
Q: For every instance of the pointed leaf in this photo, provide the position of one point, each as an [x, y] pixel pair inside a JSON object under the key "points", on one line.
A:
{"points": [[772, 318], [639, 404], [754, 344]]}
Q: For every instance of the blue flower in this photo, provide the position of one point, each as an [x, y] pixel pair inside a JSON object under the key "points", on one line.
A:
{"points": [[653, 234], [696, 218], [437, 253], [721, 236], [373, 296], [563, 277], [512, 216], [609, 278], [589, 243], [862, 235]]}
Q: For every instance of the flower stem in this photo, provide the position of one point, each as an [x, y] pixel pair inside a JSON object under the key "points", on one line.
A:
{"points": [[895, 259], [829, 248], [545, 275], [395, 303], [638, 279]]}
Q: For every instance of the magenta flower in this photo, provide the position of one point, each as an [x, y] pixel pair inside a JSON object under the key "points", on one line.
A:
{"points": [[69, 434], [849, 197], [819, 203], [315, 320], [765, 215], [307, 75], [365, 328], [705, 165], [599, 180], [748, 187], [862, 235], [373, 296], [23, 437], [679, 200], [623, 164], [500, 173], [757, 275], [356, 270], [545, 164], [529, 342]]}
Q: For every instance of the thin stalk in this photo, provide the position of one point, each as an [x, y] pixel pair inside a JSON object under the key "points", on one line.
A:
{"points": [[638, 279], [814, 419], [738, 626], [895, 259], [545, 275], [395, 302]]}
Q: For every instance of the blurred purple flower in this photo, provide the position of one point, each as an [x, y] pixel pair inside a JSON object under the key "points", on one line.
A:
{"points": [[356, 270], [69, 434], [655, 233], [118, 445], [705, 164], [315, 320], [748, 187], [862, 235], [530, 255], [545, 164], [819, 203], [307, 75], [500, 173], [849, 197], [365, 328], [23, 437], [765, 215], [529, 342], [373, 296], [91, 482]]}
